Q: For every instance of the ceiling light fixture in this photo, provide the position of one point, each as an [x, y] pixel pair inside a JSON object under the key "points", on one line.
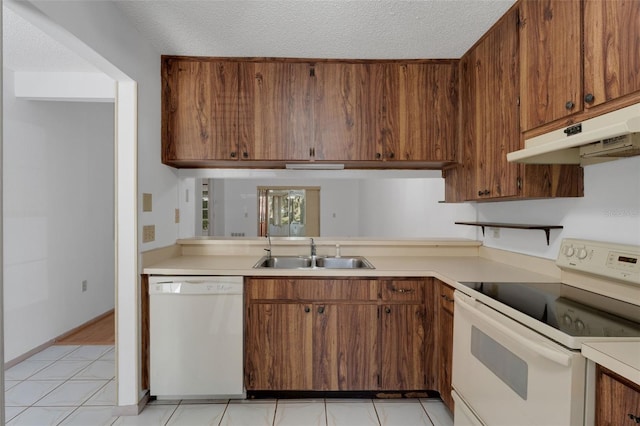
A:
{"points": [[314, 166]]}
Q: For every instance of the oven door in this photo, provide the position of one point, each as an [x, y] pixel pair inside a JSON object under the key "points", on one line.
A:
{"points": [[509, 375]]}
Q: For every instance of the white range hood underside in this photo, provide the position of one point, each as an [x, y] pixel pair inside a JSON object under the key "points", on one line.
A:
{"points": [[563, 147]]}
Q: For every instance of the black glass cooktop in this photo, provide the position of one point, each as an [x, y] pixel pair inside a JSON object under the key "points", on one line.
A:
{"points": [[569, 309]]}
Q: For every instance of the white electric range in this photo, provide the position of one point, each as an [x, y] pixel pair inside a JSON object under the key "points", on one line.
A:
{"points": [[517, 357]]}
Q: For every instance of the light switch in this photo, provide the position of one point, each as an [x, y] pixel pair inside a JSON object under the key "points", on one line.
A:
{"points": [[147, 203]]}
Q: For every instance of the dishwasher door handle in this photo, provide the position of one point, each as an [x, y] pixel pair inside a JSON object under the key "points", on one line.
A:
{"points": [[543, 351]]}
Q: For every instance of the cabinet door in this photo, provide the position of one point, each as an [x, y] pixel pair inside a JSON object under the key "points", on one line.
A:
{"points": [[445, 341], [278, 347], [276, 119], [199, 110], [346, 102], [550, 60], [611, 49], [403, 346], [617, 400], [345, 347], [420, 112], [495, 85]]}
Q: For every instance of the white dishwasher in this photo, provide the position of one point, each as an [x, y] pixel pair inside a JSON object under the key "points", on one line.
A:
{"points": [[196, 337]]}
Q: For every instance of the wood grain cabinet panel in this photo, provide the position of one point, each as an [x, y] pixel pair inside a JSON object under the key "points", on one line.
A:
{"points": [[403, 346], [444, 340], [276, 116], [342, 340], [199, 110], [611, 50], [490, 130], [490, 85], [550, 60], [345, 347], [419, 112], [346, 102], [279, 346], [617, 400]]}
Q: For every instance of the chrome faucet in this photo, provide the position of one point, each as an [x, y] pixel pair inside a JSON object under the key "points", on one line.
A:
{"points": [[268, 237], [313, 253]]}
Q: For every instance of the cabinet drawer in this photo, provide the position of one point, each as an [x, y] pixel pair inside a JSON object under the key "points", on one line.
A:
{"points": [[402, 290], [445, 295], [311, 289]]}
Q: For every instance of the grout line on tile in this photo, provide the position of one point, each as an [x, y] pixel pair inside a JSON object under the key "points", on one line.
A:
{"points": [[375, 410], [224, 413]]}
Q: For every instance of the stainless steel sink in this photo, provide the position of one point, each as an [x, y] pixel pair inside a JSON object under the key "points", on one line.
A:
{"points": [[307, 262]]}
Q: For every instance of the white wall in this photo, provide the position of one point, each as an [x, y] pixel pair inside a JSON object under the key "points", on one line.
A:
{"points": [[111, 43], [609, 211], [410, 208], [58, 217]]}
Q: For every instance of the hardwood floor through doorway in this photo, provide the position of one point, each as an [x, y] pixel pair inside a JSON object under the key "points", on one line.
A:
{"points": [[99, 331]]}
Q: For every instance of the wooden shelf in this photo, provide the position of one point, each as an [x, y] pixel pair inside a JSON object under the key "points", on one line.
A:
{"points": [[546, 228]]}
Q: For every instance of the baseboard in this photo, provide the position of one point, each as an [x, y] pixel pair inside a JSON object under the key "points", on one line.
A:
{"points": [[53, 341], [131, 410], [29, 354], [84, 325]]}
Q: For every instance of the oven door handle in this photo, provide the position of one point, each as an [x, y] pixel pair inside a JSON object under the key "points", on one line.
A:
{"points": [[548, 353]]}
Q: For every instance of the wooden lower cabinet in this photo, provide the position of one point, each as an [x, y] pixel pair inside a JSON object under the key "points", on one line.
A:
{"points": [[403, 347], [345, 343], [334, 335], [444, 341], [617, 400], [279, 349]]}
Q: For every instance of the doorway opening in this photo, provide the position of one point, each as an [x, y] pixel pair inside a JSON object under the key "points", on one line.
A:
{"points": [[289, 211]]}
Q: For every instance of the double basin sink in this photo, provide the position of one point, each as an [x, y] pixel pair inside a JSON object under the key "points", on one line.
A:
{"points": [[311, 262]]}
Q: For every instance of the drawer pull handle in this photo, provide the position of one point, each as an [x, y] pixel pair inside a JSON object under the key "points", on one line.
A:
{"points": [[403, 290], [447, 298]]}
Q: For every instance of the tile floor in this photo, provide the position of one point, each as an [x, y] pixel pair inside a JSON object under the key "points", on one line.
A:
{"points": [[75, 385]]}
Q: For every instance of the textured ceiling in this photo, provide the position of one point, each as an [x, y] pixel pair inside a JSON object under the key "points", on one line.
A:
{"points": [[359, 29], [356, 29], [26, 48]]}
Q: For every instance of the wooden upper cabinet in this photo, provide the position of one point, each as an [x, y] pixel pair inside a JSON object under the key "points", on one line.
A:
{"points": [[550, 60], [419, 112], [494, 70], [276, 118], [611, 50], [345, 105], [199, 110]]}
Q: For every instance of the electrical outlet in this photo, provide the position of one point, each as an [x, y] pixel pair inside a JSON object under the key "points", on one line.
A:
{"points": [[496, 232], [148, 233], [84, 285], [177, 216]]}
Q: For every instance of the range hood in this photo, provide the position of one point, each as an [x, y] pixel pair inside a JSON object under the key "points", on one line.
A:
{"points": [[603, 138]]}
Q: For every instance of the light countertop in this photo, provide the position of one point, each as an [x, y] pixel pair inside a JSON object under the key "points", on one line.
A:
{"points": [[621, 357], [446, 268]]}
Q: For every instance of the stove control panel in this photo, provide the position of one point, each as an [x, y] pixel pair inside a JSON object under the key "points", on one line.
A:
{"points": [[616, 261], [581, 320]]}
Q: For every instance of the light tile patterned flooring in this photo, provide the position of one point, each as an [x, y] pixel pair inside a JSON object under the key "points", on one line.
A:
{"points": [[74, 385]]}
